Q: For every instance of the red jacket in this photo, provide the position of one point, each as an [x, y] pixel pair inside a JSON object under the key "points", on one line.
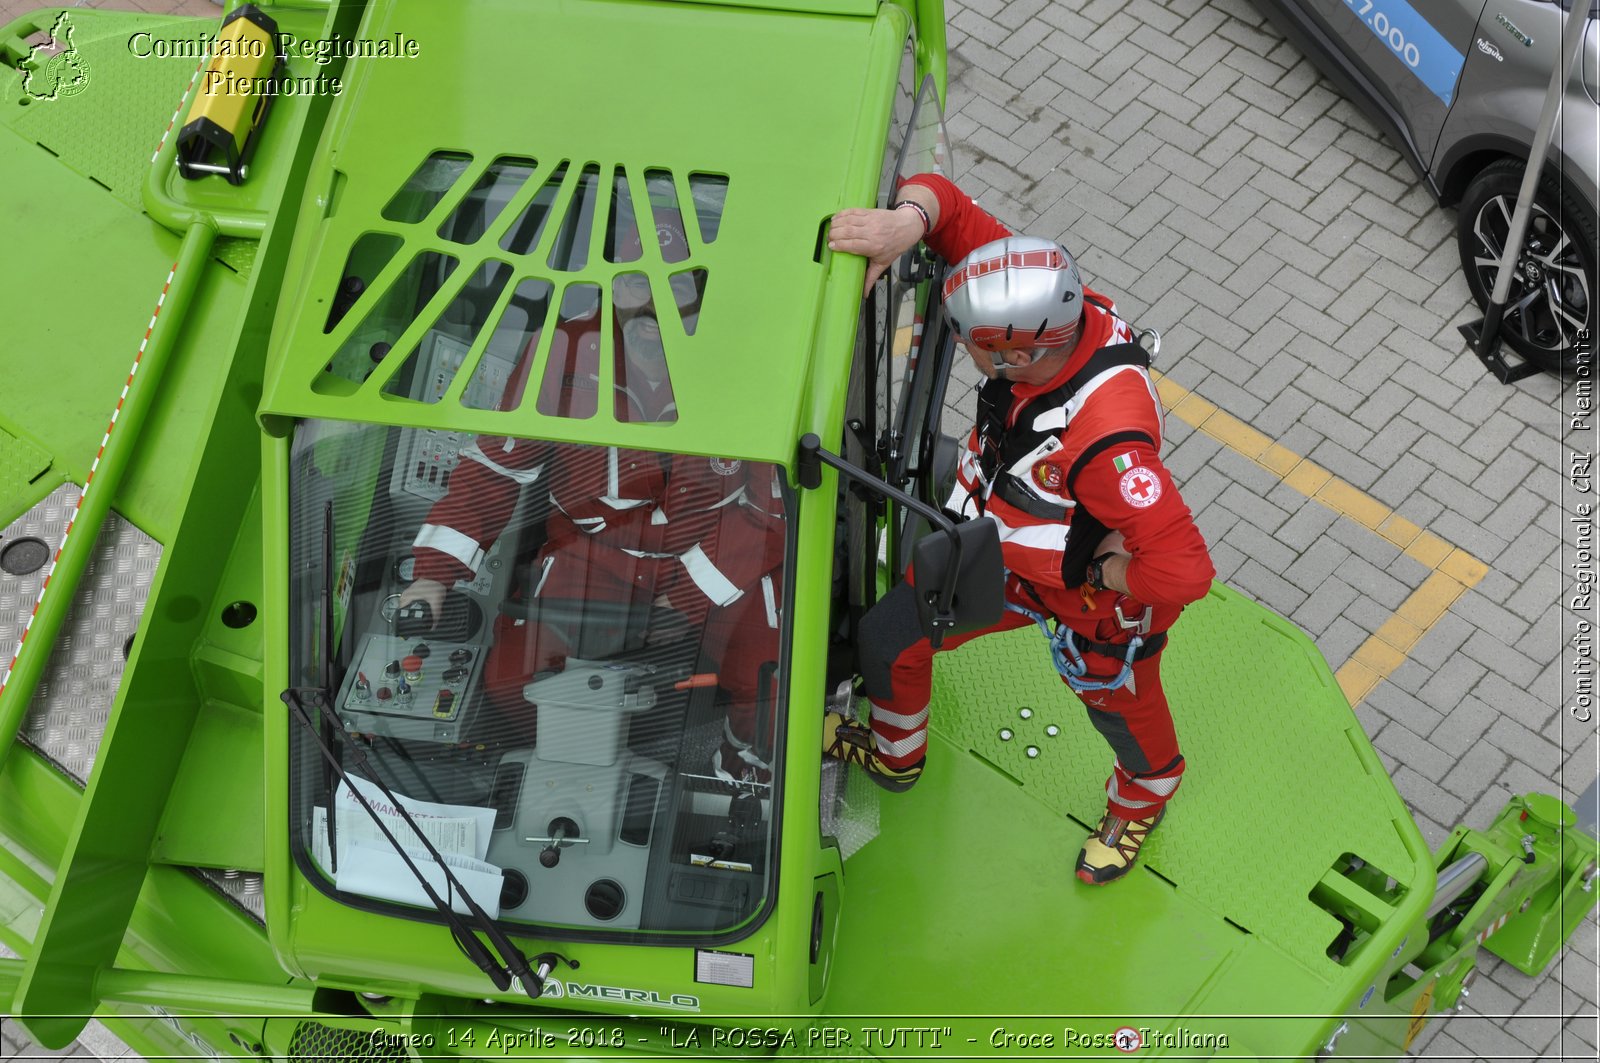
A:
{"points": [[1126, 486]]}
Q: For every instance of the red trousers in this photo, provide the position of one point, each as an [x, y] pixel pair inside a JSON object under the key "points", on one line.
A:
{"points": [[1134, 719]]}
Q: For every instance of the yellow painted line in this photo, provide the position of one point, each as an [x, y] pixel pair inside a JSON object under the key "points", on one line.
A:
{"points": [[1400, 531], [1454, 570], [902, 341], [1399, 633], [1358, 506], [1280, 460], [1429, 549], [1464, 567], [1429, 601]]}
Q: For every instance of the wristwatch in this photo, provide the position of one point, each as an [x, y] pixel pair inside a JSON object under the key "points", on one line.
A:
{"points": [[1096, 574]]}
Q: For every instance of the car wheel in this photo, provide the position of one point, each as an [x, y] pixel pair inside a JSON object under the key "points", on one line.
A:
{"points": [[1550, 313]]}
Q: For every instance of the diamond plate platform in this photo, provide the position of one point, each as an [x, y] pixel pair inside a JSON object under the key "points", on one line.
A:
{"points": [[1274, 793], [243, 888], [849, 807], [69, 711]]}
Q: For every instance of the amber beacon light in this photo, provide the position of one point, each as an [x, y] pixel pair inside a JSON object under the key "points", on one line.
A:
{"points": [[232, 97]]}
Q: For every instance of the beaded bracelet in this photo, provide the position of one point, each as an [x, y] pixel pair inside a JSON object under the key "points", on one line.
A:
{"points": [[927, 222]]}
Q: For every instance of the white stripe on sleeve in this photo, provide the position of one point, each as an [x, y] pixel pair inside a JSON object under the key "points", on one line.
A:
{"points": [[712, 583], [520, 476], [464, 548]]}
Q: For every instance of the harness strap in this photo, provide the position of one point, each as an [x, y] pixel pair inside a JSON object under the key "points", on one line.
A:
{"points": [[1117, 354], [1013, 493], [1153, 644], [1067, 648], [1000, 446]]}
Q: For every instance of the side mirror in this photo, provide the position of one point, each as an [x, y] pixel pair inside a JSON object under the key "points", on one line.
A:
{"points": [[980, 583]]}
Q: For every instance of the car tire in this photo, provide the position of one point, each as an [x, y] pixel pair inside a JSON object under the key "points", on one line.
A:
{"points": [[1550, 313]]}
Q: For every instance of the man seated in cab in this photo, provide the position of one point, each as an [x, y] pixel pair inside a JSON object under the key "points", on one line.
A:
{"points": [[702, 537]]}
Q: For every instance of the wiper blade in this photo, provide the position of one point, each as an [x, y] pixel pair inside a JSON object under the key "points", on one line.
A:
{"points": [[512, 967], [328, 650]]}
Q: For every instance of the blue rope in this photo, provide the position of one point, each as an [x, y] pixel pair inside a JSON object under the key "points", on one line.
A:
{"points": [[1064, 654]]}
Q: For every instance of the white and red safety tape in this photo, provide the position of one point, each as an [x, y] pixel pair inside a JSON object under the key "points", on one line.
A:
{"points": [[88, 481]]}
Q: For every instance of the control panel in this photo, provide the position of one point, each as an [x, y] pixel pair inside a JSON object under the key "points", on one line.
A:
{"points": [[428, 456], [417, 689]]}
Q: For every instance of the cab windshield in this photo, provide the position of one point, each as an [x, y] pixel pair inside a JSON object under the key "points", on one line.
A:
{"points": [[564, 660]]}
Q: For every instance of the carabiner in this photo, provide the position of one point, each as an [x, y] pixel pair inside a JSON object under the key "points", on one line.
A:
{"points": [[1063, 643], [1139, 625]]}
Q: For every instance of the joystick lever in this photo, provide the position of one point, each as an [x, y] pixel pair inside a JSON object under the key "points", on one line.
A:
{"points": [[413, 619], [563, 832]]}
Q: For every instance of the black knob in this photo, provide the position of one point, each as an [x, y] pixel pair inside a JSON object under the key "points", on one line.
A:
{"points": [[550, 857]]}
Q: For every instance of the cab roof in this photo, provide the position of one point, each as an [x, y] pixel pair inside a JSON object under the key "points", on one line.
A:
{"points": [[742, 122]]}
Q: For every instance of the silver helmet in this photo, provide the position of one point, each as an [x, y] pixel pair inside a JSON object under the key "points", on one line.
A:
{"points": [[1016, 293]]}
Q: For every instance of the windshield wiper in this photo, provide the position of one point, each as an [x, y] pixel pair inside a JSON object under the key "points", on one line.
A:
{"points": [[329, 645], [512, 968]]}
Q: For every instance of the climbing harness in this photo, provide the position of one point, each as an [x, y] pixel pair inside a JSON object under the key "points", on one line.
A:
{"points": [[1067, 648]]}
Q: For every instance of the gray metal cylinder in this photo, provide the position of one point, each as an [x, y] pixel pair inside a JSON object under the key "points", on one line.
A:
{"points": [[1455, 880]]}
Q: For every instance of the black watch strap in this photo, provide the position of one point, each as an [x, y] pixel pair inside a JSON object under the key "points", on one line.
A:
{"points": [[1096, 573]]}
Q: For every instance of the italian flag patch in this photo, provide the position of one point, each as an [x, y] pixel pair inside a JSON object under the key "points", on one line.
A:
{"points": [[1124, 462]]}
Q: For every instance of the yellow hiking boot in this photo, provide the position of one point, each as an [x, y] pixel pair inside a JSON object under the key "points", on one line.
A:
{"points": [[844, 739], [1110, 851]]}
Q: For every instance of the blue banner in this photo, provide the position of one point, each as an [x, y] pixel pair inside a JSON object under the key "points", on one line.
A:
{"points": [[1419, 47]]}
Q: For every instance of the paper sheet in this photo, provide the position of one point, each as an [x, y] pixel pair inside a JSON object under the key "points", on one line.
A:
{"points": [[369, 865]]}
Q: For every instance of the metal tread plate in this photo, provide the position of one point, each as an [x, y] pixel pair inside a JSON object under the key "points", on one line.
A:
{"points": [[241, 888], [69, 711]]}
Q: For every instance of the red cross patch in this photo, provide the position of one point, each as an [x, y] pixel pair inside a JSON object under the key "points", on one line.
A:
{"points": [[1140, 487]]}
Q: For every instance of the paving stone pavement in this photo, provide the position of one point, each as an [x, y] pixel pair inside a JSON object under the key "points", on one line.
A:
{"points": [[1220, 189], [1211, 180]]}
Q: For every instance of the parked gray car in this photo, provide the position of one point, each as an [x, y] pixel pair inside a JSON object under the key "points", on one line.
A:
{"points": [[1458, 86]]}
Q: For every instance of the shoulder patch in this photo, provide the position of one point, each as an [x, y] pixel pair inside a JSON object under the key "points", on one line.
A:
{"points": [[1125, 461], [1140, 487]]}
